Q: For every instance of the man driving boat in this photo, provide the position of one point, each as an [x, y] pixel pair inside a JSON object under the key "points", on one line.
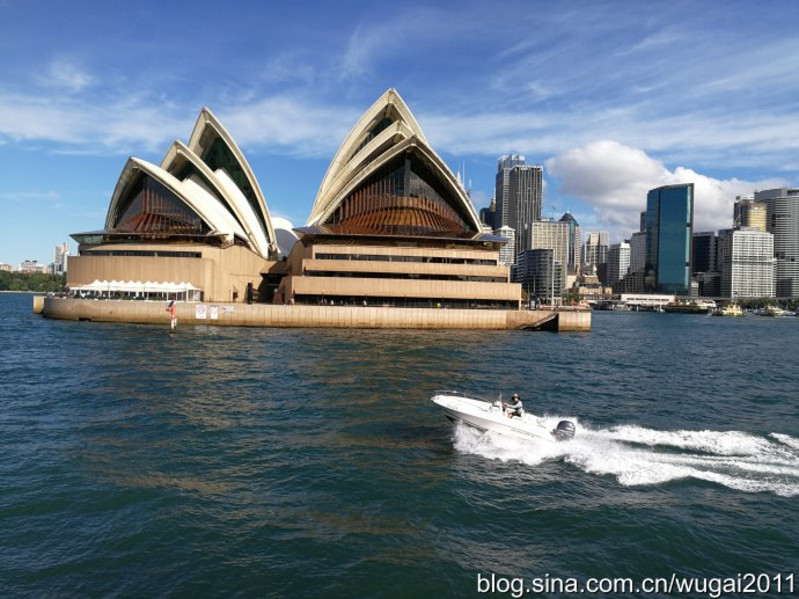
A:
{"points": [[514, 408]]}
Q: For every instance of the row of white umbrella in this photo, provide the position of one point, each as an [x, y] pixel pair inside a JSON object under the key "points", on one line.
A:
{"points": [[136, 287]]}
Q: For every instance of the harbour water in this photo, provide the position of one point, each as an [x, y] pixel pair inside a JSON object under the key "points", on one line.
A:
{"points": [[311, 463]]}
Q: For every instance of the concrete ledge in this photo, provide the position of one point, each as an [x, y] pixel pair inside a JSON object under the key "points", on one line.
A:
{"points": [[267, 315]]}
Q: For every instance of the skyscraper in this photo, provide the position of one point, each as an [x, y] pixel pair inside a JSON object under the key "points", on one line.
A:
{"points": [[595, 251], [747, 263], [638, 251], [669, 226], [552, 235], [782, 221], [519, 196], [574, 242], [704, 251], [502, 187], [540, 275], [61, 255], [748, 213], [489, 216], [507, 254], [618, 262]]}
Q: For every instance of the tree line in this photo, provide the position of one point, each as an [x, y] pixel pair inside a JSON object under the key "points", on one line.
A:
{"points": [[31, 281]]}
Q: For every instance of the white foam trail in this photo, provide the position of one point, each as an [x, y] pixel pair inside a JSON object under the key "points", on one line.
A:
{"points": [[640, 456], [785, 439]]}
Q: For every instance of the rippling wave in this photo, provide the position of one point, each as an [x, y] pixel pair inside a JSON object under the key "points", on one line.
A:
{"points": [[640, 456], [311, 463]]}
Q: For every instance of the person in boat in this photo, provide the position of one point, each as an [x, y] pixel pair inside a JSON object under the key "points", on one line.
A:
{"points": [[514, 408]]}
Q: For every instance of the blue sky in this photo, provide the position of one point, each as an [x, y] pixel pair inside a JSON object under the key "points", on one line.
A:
{"points": [[613, 98]]}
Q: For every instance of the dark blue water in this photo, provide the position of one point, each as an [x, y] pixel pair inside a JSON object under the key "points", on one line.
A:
{"points": [[311, 463]]}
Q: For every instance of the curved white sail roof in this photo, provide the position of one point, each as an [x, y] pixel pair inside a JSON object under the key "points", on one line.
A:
{"points": [[214, 145], [389, 108], [384, 133], [223, 188], [191, 192]]}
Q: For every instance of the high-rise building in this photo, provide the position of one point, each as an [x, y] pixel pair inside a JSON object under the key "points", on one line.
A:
{"points": [[502, 186], [507, 254], [61, 255], [638, 252], [618, 262], [782, 221], [519, 196], [704, 251], [489, 216], [540, 275], [553, 235], [748, 213], [595, 251], [747, 263], [669, 225], [575, 233]]}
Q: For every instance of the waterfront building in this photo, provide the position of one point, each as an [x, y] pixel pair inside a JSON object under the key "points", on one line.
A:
{"points": [[747, 263], [540, 274], [645, 300], [632, 282], [588, 288], [391, 225], [669, 225], [782, 221], [618, 262], [575, 233], [708, 284], [749, 213], [519, 193], [704, 251], [199, 218], [506, 253], [595, 251], [556, 236], [638, 251]]}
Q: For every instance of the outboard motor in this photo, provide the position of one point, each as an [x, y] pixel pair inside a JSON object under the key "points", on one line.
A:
{"points": [[564, 431]]}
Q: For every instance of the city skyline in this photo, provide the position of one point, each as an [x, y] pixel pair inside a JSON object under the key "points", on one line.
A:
{"points": [[610, 106]]}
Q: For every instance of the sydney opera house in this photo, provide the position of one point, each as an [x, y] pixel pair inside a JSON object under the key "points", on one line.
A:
{"points": [[390, 226]]}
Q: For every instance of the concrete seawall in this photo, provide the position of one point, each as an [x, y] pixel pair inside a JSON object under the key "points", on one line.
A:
{"points": [[267, 315]]}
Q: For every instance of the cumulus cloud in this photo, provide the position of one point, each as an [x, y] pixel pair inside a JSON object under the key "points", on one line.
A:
{"points": [[614, 180]]}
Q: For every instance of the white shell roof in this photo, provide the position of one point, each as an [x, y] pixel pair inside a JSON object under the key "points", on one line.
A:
{"points": [[206, 120], [191, 192], [357, 158]]}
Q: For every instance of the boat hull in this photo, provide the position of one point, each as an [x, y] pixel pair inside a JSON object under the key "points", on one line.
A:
{"points": [[486, 416]]}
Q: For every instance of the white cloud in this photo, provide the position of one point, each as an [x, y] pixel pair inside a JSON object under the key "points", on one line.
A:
{"points": [[614, 179], [66, 75], [293, 124]]}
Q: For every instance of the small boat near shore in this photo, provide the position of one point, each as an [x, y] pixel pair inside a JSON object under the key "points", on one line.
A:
{"points": [[691, 307], [729, 310], [486, 415]]}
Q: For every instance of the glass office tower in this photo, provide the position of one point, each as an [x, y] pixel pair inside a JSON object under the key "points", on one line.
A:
{"points": [[669, 226]]}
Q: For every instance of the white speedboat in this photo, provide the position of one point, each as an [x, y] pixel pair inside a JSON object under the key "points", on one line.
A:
{"points": [[490, 416]]}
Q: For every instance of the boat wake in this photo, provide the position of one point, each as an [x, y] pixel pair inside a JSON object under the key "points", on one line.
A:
{"points": [[638, 456]]}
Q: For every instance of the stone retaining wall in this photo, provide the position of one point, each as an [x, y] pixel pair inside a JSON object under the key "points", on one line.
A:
{"points": [[267, 315]]}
